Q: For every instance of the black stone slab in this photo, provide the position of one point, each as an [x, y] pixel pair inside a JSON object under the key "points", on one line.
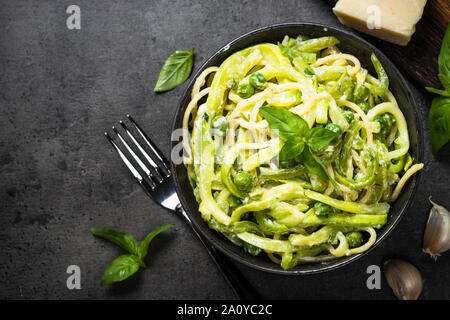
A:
{"points": [[61, 89]]}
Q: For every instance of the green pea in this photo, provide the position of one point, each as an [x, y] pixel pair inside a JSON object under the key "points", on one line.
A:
{"points": [[349, 116], [335, 128], [245, 91], [383, 124], [243, 180], [322, 209], [387, 121], [354, 238], [220, 122], [365, 106], [233, 201], [257, 81], [360, 93]]}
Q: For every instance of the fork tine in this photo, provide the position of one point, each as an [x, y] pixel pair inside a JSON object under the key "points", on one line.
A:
{"points": [[144, 184], [135, 157], [143, 152], [152, 146]]}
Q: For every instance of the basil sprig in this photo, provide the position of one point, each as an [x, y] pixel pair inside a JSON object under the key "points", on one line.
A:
{"points": [[299, 139], [439, 116], [176, 69], [128, 264]]}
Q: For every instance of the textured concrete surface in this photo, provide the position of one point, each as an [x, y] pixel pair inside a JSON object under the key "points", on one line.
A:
{"points": [[61, 89]]}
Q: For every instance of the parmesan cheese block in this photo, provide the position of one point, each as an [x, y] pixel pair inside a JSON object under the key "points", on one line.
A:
{"points": [[390, 20]]}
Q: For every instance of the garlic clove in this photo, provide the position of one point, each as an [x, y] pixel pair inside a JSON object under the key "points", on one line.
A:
{"points": [[436, 239], [403, 278]]}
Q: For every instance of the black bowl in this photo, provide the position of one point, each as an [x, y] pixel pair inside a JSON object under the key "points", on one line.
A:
{"points": [[349, 43]]}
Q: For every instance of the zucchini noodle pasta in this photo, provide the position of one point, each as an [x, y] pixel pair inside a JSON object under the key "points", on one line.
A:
{"points": [[296, 150]]}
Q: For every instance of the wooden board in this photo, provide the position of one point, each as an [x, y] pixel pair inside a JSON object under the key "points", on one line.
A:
{"points": [[419, 58]]}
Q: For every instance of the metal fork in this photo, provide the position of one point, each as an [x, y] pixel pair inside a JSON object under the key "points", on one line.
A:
{"points": [[155, 177]]}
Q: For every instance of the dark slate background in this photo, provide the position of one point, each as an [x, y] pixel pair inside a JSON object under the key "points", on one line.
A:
{"points": [[61, 89]]}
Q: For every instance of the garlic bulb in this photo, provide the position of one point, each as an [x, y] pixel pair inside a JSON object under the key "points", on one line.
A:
{"points": [[436, 239], [403, 278]]}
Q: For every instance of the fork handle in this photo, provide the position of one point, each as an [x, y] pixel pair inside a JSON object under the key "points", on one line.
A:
{"points": [[238, 283]]}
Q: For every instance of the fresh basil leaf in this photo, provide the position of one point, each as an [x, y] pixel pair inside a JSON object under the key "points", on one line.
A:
{"points": [[176, 69], [120, 269], [444, 60], [122, 239], [143, 248], [445, 80], [319, 137], [289, 125], [291, 149], [444, 66], [439, 115], [437, 91], [312, 165], [439, 122]]}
